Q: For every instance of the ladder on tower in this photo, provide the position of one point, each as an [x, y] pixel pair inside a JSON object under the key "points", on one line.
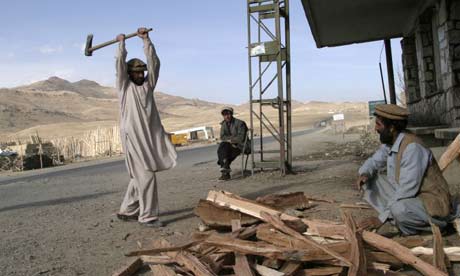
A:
{"points": [[270, 82]]}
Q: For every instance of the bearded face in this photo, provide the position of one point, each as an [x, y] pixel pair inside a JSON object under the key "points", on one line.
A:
{"points": [[137, 77], [385, 133]]}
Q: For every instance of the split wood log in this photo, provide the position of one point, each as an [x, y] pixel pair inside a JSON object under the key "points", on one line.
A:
{"points": [[252, 208], [154, 260], [281, 202], [162, 270], [412, 241], [130, 268], [156, 251], [383, 257], [215, 215], [379, 266], [439, 257], [453, 253], [266, 271], [187, 260], [280, 225], [357, 255], [259, 248], [402, 253], [269, 234], [320, 271], [450, 154], [241, 261]]}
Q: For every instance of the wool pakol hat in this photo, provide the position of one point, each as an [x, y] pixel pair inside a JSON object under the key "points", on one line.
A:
{"points": [[136, 65], [391, 111], [226, 108]]}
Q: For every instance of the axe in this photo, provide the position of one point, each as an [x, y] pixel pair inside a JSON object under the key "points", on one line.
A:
{"points": [[89, 48]]}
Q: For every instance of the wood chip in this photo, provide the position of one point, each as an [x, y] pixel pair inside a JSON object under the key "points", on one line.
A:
{"points": [[130, 268], [402, 253]]}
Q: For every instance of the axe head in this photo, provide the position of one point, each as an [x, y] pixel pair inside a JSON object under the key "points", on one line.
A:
{"points": [[89, 44]]}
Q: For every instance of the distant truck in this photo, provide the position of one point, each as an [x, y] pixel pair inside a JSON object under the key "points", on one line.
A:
{"points": [[192, 135], [179, 139]]}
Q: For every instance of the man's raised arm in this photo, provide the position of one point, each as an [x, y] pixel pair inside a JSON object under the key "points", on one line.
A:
{"points": [[121, 66], [153, 62]]}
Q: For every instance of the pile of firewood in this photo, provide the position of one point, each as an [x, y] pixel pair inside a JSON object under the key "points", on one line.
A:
{"points": [[264, 238]]}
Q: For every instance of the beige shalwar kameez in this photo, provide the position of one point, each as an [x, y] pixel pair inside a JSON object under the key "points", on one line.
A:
{"points": [[145, 143]]}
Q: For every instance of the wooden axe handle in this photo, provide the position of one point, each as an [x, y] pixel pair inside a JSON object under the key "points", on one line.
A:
{"points": [[113, 41]]}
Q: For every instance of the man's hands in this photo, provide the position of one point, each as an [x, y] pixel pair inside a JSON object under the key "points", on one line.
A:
{"points": [[121, 37], [362, 179], [142, 33]]}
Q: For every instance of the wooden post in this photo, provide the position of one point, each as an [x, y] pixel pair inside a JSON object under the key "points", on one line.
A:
{"points": [[391, 75]]}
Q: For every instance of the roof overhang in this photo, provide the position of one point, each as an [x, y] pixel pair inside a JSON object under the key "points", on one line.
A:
{"points": [[342, 22]]}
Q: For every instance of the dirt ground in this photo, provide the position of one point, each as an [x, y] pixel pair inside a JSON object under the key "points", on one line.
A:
{"points": [[79, 235]]}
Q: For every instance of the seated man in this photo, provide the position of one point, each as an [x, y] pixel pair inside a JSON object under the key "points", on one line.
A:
{"points": [[233, 133], [413, 191]]}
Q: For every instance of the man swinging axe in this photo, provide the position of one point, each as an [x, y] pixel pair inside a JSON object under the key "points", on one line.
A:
{"points": [[145, 143]]}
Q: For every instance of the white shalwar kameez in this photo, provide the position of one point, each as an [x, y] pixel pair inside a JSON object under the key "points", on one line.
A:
{"points": [[145, 143]]}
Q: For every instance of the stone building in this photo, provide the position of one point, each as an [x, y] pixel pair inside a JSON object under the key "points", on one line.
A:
{"points": [[430, 32]]}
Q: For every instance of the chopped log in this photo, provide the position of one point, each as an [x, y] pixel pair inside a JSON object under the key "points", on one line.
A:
{"points": [[439, 257], [154, 260], [249, 207], [187, 260], [453, 253], [450, 154], [252, 208], [162, 270], [215, 215], [279, 224], [379, 266], [357, 254], [241, 261], [269, 234], [258, 248], [411, 241], [266, 271], [161, 250], [296, 200], [324, 228], [321, 271], [402, 253], [383, 257], [130, 268], [290, 268]]}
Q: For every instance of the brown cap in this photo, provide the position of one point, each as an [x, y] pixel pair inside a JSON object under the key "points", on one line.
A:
{"points": [[136, 65], [391, 111], [226, 108]]}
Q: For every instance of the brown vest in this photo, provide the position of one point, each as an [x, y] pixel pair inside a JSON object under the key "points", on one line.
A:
{"points": [[434, 190]]}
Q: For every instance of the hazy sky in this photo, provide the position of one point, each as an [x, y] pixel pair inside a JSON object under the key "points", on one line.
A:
{"points": [[201, 44]]}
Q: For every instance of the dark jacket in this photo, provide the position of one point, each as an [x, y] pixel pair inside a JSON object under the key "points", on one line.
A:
{"points": [[236, 133]]}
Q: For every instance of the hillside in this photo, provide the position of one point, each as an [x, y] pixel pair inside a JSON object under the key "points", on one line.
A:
{"points": [[57, 107]]}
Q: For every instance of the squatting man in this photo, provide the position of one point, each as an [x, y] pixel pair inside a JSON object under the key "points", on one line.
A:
{"points": [[413, 192], [145, 143]]}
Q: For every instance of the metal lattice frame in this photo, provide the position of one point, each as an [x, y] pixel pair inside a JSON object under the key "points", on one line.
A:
{"points": [[269, 48]]}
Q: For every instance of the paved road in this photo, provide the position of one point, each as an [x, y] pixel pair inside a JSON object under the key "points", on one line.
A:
{"points": [[186, 158], [61, 220]]}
